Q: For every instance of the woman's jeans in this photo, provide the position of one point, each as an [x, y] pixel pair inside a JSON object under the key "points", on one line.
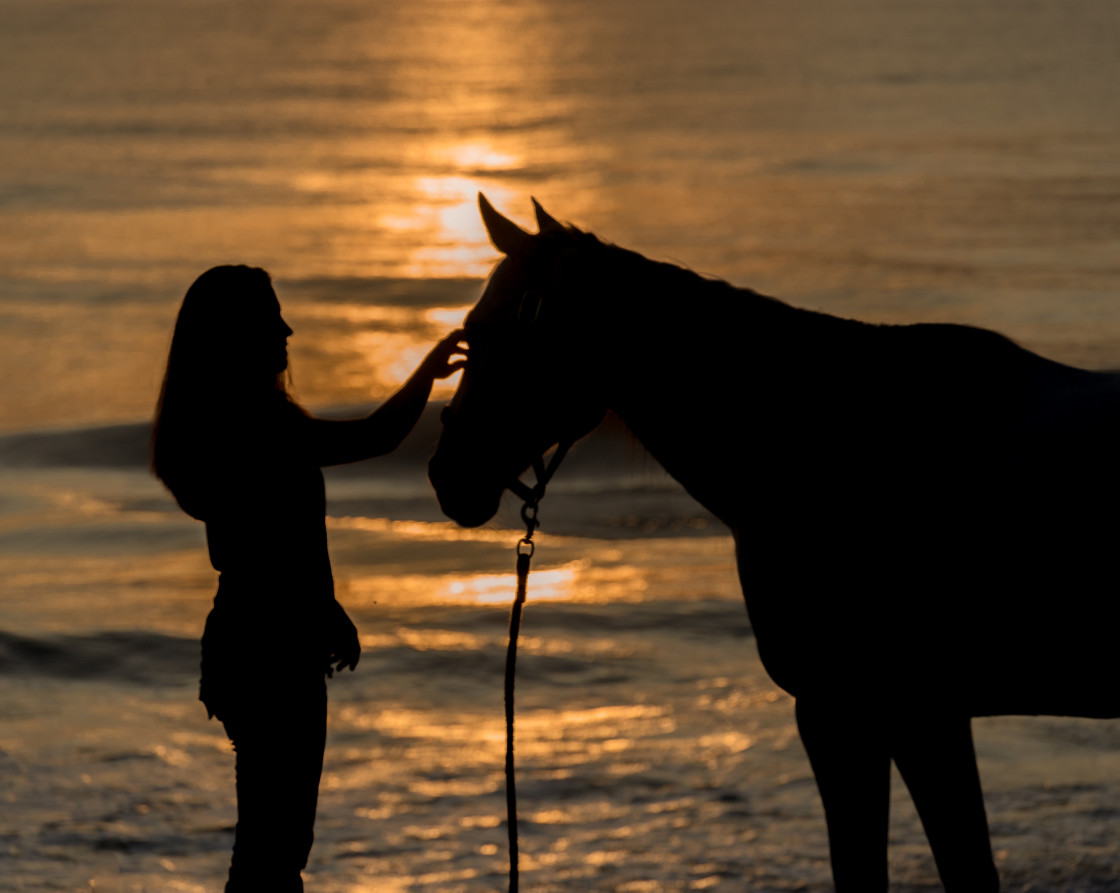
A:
{"points": [[279, 738]]}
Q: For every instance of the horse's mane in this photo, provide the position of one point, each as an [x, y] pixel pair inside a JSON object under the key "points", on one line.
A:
{"points": [[711, 308], [654, 296], [662, 277]]}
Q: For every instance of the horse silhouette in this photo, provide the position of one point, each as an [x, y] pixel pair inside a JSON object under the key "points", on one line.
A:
{"points": [[924, 515]]}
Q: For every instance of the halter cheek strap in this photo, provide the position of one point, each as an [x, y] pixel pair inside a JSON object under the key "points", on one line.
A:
{"points": [[532, 496]]}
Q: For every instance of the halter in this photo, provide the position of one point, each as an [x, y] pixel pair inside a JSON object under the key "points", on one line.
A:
{"points": [[531, 496], [528, 313]]}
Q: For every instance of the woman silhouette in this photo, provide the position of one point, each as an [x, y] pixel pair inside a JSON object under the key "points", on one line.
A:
{"points": [[239, 454]]}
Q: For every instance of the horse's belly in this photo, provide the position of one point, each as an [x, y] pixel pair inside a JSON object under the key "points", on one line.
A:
{"points": [[943, 673], [1033, 646]]}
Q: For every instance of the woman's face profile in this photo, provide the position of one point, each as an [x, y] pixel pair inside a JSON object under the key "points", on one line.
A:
{"points": [[266, 335], [280, 331]]}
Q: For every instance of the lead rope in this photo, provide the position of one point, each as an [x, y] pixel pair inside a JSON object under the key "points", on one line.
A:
{"points": [[525, 549]]}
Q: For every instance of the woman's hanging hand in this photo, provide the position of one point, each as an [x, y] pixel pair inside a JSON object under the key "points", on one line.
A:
{"points": [[342, 641]]}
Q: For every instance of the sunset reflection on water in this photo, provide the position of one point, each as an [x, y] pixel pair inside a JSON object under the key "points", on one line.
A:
{"points": [[572, 761], [441, 220], [380, 558], [351, 353], [468, 105]]}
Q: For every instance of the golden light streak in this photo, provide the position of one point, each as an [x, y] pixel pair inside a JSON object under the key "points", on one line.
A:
{"points": [[482, 155], [557, 583], [442, 221], [446, 317], [425, 530], [373, 348], [374, 570]]}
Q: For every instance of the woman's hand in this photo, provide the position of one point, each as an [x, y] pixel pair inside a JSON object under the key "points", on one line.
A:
{"points": [[342, 641], [438, 363], [383, 430]]}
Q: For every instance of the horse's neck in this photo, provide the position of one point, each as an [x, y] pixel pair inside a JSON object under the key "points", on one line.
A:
{"points": [[694, 440], [688, 353], [701, 367]]}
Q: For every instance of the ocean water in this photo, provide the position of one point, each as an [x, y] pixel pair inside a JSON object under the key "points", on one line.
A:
{"points": [[885, 160]]}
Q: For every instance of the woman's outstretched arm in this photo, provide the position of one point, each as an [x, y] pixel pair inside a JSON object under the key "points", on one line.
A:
{"points": [[381, 432]]}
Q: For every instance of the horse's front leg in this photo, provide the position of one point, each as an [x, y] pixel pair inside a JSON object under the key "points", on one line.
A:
{"points": [[851, 760], [936, 759]]}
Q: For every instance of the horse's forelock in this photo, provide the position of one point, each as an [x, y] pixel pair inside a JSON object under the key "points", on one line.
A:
{"points": [[491, 301]]}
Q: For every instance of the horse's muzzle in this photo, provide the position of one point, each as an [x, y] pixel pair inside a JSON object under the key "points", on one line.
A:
{"points": [[462, 498]]}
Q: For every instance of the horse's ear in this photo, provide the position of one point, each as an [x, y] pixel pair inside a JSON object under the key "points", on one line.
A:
{"points": [[545, 221], [506, 236]]}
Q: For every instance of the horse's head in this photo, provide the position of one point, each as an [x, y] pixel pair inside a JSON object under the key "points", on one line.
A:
{"points": [[533, 377]]}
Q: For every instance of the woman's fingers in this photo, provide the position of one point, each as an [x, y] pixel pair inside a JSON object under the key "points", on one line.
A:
{"points": [[347, 657]]}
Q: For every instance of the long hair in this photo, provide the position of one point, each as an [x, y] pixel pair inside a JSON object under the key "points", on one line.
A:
{"points": [[218, 391]]}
